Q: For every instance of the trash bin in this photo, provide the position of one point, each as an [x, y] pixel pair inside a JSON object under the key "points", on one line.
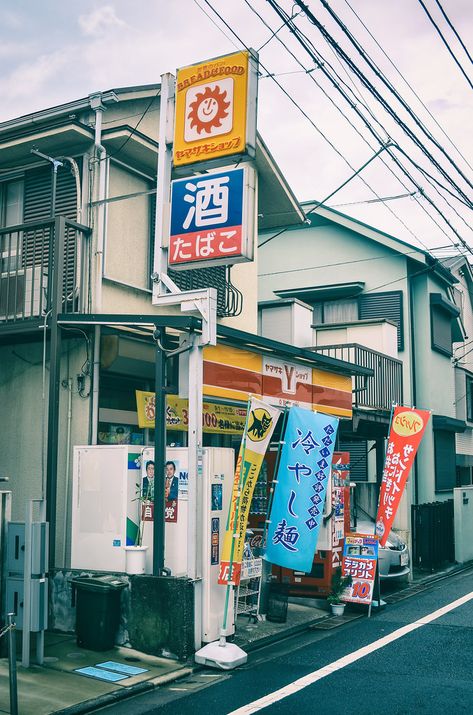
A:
{"points": [[97, 610], [277, 603]]}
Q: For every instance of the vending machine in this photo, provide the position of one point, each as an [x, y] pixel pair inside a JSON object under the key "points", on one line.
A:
{"points": [[335, 524], [108, 481]]}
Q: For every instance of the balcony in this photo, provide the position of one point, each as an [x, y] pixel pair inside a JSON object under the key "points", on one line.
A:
{"points": [[26, 270], [378, 392]]}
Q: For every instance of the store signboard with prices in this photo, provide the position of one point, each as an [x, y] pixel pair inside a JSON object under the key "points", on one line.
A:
{"points": [[212, 219], [216, 110], [360, 556]]}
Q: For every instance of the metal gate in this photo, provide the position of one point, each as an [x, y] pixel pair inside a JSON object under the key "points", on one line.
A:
{"points": [[433, 534]]}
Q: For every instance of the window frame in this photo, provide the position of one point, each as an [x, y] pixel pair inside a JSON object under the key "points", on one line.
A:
{"points": [[441, 434]]}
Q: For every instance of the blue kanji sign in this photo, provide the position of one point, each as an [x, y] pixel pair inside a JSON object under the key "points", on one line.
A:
{"points": [[212, 218], [304, 468]]}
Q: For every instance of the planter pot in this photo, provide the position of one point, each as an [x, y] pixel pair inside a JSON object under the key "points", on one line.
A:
{"points": [[135, 559], [337, 609]]}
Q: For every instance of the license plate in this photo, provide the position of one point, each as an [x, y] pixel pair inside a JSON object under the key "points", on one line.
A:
{"points": [[404, 559]]}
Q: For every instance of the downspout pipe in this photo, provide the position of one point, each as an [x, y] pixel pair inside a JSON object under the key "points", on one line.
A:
{"points": [[96, 104]]}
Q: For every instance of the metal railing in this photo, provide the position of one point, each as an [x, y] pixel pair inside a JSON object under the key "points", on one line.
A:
{"points": [[27, 264], [379, 391]]}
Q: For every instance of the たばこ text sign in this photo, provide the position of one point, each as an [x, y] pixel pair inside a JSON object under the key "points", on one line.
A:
{"points": [[212, 218], [407, 428]]}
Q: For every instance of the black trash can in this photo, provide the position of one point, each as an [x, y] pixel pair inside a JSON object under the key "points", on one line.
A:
{"points": [[277, 603], [97, 610]]}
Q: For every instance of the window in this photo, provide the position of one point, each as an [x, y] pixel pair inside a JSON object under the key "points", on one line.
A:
{"points": [[358, 450], [11, 214], [384, 305], [445, 460], [336, 311], [469, 398], [441, 325], [443, 320]]}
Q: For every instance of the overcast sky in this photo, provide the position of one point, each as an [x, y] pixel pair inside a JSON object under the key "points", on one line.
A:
{"points": [[56, 51]]}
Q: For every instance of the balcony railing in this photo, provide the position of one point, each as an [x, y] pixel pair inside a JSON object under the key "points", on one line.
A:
{"points": [[27, 264], [379, 391]]}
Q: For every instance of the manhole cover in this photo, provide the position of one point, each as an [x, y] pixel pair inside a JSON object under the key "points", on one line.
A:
{"points": [[50, 659], [75, 656]]}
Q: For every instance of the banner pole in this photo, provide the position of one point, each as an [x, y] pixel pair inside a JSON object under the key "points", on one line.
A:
{"points": [[276, 467], [229, 588]]}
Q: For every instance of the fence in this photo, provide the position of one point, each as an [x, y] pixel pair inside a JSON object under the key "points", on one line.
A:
{"points": [[380, 391], [433, 534], [27, 263]]}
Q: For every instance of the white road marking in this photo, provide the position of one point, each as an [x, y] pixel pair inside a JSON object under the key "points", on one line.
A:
{"points": [[316, 675]]}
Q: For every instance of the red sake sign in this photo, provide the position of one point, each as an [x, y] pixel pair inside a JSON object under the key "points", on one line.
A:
{"points": [[407, 429]]}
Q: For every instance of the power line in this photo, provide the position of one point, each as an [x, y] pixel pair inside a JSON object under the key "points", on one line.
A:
{"points": [[293, 101], [338, 263], [321, 64], [132, 131], [377, 95], [408, 84], [303, 40], [409, 194], [456, 33], [445, 42]]}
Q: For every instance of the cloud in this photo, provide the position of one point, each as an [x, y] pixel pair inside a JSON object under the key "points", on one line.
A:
{"points": [[99, 21]]}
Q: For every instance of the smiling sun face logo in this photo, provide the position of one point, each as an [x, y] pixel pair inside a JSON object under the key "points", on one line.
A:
{"points": [[209, 110]]}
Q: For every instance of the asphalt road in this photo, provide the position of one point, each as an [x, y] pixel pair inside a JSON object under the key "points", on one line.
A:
{"points": [[426, 670]]}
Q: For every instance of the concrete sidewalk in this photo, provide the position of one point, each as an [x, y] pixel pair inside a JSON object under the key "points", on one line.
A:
{"points": [[58, 687]]}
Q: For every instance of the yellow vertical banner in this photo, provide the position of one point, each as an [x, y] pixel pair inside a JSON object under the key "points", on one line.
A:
{"points": [[261, 421]]}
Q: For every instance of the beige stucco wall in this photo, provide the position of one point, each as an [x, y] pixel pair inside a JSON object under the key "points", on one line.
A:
{"points": [[127, 242]]}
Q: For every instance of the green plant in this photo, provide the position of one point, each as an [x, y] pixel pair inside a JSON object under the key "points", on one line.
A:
{"points": [[339, 584]]}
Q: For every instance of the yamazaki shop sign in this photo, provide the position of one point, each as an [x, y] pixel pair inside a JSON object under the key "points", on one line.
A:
{"points": [[234, 374]]}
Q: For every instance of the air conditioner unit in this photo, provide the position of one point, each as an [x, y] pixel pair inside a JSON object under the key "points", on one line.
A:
{"points": [[23, 293]]}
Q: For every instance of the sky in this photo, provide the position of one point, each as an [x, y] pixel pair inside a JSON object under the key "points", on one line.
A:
{"points": [[53, 52]]}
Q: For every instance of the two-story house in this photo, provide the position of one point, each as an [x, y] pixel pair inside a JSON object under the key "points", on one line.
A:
{"points": [[77, 217], [376, 300]]}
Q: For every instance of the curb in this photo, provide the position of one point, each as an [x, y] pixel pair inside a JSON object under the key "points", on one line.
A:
{"points": [[277, 637], [110, 698]]}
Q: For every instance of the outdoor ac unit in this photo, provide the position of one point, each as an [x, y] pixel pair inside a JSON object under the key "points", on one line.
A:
{"points": [[23, 293]]}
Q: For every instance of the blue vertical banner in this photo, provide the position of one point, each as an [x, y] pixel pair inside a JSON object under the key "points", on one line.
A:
{"points": [[299, 496]]}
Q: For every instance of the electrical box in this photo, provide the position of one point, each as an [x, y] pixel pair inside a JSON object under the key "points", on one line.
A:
{"points": [[16, 547], [39, 602]]}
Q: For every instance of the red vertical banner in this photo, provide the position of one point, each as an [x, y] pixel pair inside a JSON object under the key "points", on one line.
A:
{"points": [[407, 429]]}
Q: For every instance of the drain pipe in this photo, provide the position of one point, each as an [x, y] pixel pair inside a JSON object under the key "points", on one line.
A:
{"points": [[100, 165]]}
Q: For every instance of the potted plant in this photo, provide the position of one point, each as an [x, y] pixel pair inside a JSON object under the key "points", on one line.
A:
{"points": [[339, 584], [135, 555]]}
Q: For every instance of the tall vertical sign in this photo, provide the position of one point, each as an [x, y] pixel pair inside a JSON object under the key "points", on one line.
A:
{"points": [[407, 429], [301, 484], [216, 109]]}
